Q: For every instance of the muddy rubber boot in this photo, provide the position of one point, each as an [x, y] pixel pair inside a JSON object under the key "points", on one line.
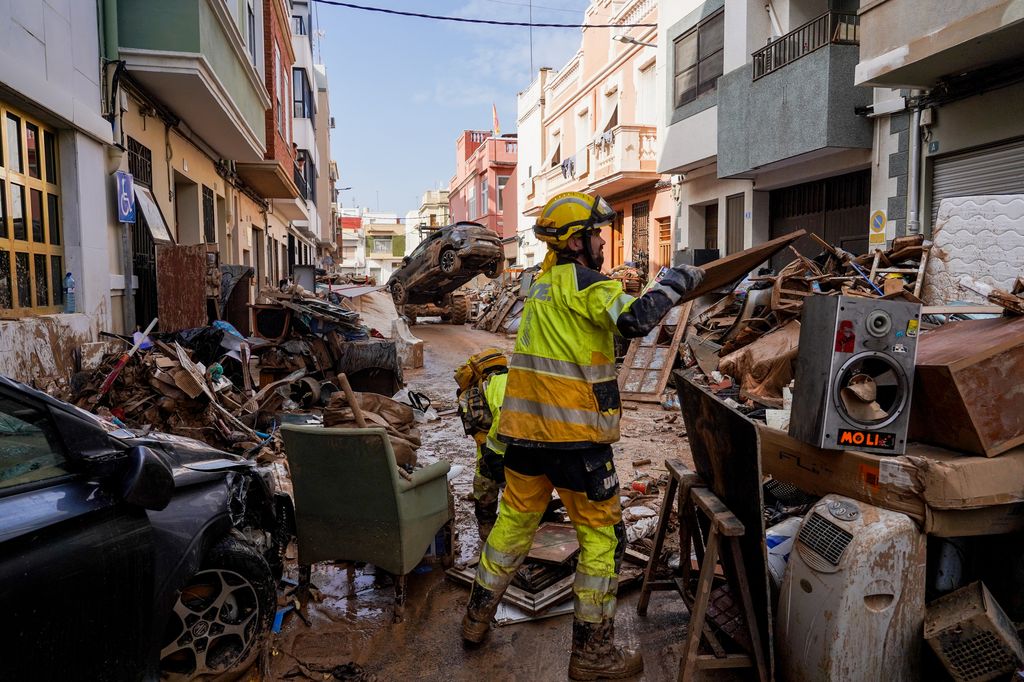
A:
{"points": [[595, 656], [476, 624]]}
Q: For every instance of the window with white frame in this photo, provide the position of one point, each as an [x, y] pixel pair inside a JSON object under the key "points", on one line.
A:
{"points": [[471, 202], [697, 59], [382, 245], [278, 83], [610, 110], [582, 129], [556, 149], [645, 95], [250, 25], [502, 181], [484, 197]]}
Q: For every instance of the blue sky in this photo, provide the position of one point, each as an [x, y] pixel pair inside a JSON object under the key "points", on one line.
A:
{"points": [[402, 89]]}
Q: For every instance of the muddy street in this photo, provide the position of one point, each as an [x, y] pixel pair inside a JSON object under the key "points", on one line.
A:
{"points": [[353, 621]]}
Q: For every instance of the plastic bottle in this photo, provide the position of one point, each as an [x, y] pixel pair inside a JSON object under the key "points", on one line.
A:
{"points": [[69, 293]]}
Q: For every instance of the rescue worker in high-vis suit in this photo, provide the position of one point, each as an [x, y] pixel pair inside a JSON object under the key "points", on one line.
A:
{"points": [[559, 417], [490, 469]]}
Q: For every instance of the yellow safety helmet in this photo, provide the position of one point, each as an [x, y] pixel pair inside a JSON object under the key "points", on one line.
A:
{"points": [[569, 213]]}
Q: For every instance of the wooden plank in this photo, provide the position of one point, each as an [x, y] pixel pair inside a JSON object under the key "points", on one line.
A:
{"points": [[734, 267], [554, 543], [962, 310]]}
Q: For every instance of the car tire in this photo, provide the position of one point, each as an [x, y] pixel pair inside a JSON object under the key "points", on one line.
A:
{"points": [[448, 261], [222, 615], [398, 292], [495, 270], [459, 310]]}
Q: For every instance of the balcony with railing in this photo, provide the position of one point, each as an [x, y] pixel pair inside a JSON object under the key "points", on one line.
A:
{"points": [[623, 158], [795, 97]]}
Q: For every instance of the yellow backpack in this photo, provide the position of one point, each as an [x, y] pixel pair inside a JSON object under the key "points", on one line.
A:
{"points": [[473, 408]]}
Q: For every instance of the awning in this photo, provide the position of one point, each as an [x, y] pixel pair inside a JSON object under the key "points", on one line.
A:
{"points": [[153, 217]]}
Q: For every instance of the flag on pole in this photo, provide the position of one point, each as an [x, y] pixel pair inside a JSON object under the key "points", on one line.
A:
{"points": [[497, 128]]}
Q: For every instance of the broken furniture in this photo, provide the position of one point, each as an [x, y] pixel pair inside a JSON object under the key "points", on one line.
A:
{"points": [[352, 504], [963, 390], [711, 533], [650, 358]]}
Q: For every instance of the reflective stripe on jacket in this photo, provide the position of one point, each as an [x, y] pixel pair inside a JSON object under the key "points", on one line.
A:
{"points": [[561, 381]]}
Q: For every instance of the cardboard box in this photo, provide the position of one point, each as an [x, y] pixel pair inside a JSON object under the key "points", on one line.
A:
{"points": [[947, 493]]}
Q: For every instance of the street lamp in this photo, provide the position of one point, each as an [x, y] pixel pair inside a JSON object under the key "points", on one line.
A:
{"points": [[631, 41]]}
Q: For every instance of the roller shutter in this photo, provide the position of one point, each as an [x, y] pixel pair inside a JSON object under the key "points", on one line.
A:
{"points": [[991, 170]]}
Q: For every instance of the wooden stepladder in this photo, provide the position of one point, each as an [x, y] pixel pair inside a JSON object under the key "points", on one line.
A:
{"points": [[709, 531]]}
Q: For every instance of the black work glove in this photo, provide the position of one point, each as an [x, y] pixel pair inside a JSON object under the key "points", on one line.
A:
{"points": [[683, 279]]}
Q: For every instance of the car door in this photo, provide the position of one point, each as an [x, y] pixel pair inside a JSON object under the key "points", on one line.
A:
{"points": [[76, 567]]}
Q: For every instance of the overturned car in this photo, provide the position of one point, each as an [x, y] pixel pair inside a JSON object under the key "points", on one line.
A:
{"points": [[449, 257], [126, 555]]}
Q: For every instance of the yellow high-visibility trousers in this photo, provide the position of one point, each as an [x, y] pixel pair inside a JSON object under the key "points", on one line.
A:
{"points": [[586, 482]]}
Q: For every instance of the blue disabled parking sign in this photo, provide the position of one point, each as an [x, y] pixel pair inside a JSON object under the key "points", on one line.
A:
{"points": [[125, 197]]}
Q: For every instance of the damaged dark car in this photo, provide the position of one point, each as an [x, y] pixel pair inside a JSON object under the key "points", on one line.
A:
{"points": [[128, 555], [444, 261]]}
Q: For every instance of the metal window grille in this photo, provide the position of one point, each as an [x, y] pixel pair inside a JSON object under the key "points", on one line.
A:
{"points": [[209, 231], [140, 162]]}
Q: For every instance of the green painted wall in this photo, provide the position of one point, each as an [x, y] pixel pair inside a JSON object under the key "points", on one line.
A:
{"points": [[171, 25], [191, 26], [231, 71]]}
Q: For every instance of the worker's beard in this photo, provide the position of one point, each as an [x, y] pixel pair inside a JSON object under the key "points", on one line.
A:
{"points": [[593, 260]]}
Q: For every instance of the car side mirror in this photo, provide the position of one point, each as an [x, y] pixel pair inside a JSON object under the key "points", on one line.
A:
{"points": [[405, 261], [146, 480]]}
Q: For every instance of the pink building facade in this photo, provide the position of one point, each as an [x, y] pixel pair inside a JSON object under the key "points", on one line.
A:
{"points": [[484, 168]]}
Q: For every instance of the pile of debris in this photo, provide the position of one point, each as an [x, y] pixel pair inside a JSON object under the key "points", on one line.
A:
{"points": [[632, 278], [231, 391], [502, 303]]}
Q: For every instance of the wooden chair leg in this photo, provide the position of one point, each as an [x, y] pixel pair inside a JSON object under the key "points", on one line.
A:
{"points": [[659, 542], [688, 665], [400, 593]]}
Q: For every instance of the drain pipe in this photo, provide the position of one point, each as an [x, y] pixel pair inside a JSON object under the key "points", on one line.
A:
{"points": [[914, 171]]}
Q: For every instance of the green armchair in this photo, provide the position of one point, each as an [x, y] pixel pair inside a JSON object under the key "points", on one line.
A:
{"points": [[351, 503]]}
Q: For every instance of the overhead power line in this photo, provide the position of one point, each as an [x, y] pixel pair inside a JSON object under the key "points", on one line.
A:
{"points": [[523, 4], [465, 20]]}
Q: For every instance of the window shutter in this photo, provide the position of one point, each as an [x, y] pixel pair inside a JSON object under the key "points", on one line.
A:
{"points": [[369, 244], [398, 245]]}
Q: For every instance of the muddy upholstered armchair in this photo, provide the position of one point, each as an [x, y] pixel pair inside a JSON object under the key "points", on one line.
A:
{"points": [[352, 503]]}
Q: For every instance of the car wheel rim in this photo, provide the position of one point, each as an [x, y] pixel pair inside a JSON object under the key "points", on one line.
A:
{"points": [[448, 261], [213, 625]]}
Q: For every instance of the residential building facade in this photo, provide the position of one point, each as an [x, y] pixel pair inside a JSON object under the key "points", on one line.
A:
{"points": [[56, 209], [352, 242], [949, 89], [483, 167], [747, 164], [432, 214], [384, 237], [593, 127]]}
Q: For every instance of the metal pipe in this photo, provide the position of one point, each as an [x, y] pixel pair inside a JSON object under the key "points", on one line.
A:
{"points": [[914, 171]]}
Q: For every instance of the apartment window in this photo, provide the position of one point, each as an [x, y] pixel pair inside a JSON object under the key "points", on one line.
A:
{"points": [[556, 149], [484, 198], [31, 257], [698, 59], [298, 26], [645, 106], [278, 81], [382, 245], [209, 230], [250, 23], [140, 162], [582, 129], [502, 181], [302, 95]]}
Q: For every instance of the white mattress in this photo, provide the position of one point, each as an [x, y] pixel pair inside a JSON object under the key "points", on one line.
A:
{"points": [[979, 236]]}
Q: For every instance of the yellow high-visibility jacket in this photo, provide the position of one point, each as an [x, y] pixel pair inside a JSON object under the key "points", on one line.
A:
{"points": [[494, 393], [561, 387]]}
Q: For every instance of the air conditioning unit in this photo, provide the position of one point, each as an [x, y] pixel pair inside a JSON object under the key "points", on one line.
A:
{"points": [[854, 373], [851, 606]]}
